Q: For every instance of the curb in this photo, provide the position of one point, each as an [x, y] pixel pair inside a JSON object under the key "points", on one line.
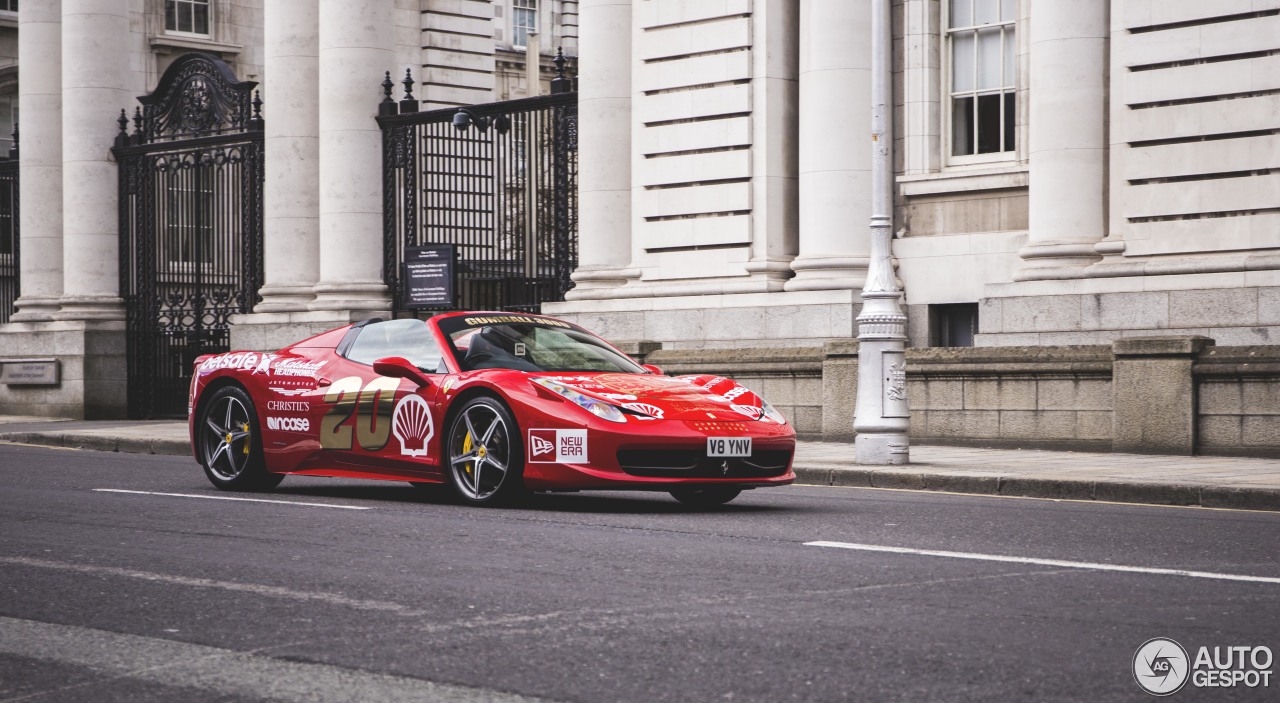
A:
{"points": [[101, 442], [899, 479], [1050, 488]]}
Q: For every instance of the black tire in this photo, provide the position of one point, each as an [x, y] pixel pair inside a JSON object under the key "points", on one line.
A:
{"points": [[485, 453], [706, 496], [229, 443]]}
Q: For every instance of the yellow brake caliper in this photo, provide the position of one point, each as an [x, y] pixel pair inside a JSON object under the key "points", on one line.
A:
{"points": [[245, 426], [466, 449]]}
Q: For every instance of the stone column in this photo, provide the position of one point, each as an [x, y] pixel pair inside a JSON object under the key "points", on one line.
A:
{"points": [[291, 217], [95, 84], [356, 48], [40, 168], [835, 156], [604, 149], [775, 65], [1068, 146]]}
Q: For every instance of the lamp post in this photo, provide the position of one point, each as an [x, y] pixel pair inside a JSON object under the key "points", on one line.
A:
{"points": [[881, 416]]}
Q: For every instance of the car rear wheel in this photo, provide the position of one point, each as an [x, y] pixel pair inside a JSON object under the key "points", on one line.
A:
{"points": [[705, 496], [230, 445], [486, 457]]}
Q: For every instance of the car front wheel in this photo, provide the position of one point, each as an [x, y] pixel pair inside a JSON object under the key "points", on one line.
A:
{"points": [[486, 457], [230, 445]]}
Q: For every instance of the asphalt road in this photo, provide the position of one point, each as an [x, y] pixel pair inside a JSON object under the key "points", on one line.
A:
{"points": [[118, 596]]}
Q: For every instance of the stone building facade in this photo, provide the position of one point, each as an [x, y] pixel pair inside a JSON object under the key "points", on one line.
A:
{"points": [[70, 66], [1068, 175]]}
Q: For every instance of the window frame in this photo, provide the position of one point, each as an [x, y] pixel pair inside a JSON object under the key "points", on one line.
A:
{"points": [[164, 18], [6, 12], [516, 11], [1009, 86]]}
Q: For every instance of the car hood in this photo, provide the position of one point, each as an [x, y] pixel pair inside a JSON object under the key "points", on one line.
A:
{"points": [[667, 397]]}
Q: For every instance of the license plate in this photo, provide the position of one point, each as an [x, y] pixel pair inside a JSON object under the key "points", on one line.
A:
{"points": [[729, 446]]}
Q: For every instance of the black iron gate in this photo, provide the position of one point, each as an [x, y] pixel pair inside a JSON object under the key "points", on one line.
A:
{"points": [[9, 279], [498, 181], [190, 224]]}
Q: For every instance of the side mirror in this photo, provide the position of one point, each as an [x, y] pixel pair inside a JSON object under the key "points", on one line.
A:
{"points": [[654, 369], [400, 367]]}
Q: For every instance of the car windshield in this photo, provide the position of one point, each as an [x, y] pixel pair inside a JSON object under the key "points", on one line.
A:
{"points": [[526, 343]]}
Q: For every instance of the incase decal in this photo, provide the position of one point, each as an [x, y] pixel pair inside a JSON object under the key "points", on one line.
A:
{"points": [[289, 424], [558, 446], [411, 424]]}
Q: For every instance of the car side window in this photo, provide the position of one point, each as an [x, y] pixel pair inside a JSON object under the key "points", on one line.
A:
{"points": [[411, 339]]}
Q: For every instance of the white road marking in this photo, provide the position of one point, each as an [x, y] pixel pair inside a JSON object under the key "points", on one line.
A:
{"points": [[246, 500], [252, 588], [1092, 566], [114, 657]]}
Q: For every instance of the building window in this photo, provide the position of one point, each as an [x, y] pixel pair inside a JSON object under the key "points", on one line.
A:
{"points": [[953, 325], [524, 19], [9, 6], [187, 17], [982, 53]]}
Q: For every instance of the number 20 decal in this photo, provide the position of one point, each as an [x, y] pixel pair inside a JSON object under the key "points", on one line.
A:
{"points": [[371, 404]]}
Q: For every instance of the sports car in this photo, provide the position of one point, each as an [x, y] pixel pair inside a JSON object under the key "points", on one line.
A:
{"points": [[494, 404]]}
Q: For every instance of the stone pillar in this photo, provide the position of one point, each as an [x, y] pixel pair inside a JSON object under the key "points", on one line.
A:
{"points": [[356, 48], [95, 84], [604, 149], [291, 217], [775, 65], [40, 168], [1154, 394], [835, 156], [1068, 148]]}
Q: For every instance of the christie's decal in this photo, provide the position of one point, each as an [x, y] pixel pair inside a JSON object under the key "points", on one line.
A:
{"points": [[411, 424], [558, 446], [289, 406]]}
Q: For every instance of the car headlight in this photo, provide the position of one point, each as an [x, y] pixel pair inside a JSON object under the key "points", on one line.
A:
{"points": [[599, 408], [771, 413]]}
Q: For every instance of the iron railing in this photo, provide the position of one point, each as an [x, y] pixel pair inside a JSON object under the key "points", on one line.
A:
{"points": [[191, 179], [498, 181], [10, 278]]}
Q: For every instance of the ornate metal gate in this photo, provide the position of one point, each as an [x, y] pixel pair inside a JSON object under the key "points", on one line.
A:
{"points": [[9, 288], [190, 224], [498, 181]]}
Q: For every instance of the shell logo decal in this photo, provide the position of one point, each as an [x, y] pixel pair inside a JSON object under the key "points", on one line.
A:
{"points": [[652, 412], [411, 424]]}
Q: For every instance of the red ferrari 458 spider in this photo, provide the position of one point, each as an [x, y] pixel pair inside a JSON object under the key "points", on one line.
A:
{"points": [[495, 404]]}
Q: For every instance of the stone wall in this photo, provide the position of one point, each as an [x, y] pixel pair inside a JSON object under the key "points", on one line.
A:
{"points": [[1012, 396], [1155, 395], [1239, 401]]}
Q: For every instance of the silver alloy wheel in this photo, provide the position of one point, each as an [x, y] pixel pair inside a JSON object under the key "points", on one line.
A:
{"points": [[227, 445], [479, 451]]}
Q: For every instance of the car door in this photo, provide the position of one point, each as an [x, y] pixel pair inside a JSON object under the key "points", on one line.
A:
{"points": [[387, 425]]}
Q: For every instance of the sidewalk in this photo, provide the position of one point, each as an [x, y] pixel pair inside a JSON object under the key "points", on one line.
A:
{"points": [[1218, 482]]}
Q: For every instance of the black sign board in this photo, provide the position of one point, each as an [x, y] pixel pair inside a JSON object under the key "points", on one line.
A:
{"points": [[428, 276]]}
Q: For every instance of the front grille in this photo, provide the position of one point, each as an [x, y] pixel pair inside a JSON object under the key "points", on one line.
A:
{"points": [[694, 463]]}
